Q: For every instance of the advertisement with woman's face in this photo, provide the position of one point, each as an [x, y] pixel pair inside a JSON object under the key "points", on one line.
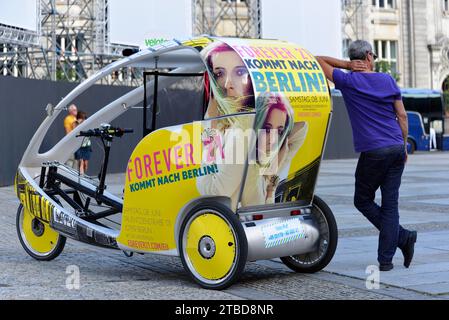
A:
{"points": [[279, 138], [230, 85], [263, 157], [231, 74], [251, 76], [274, 122]]}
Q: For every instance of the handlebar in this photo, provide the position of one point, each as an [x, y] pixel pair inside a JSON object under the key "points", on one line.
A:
{"points": [[105, 132]]}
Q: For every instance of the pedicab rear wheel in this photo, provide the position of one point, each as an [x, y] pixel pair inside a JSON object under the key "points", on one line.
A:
{"points": [[327, 244], [37, 238], [213, 245]]}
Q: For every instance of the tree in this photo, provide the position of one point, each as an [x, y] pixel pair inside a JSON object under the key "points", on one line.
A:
{"points": [[385, 66]]}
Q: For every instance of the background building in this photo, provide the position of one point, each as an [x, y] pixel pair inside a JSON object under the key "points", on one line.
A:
{"points": [[411, 37], [72, 39]]}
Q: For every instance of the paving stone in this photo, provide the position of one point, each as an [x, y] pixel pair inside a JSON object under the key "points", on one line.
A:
{"points": [[107, 274]]}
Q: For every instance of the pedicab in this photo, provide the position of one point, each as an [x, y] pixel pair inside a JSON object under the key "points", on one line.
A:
{"points": [[221, 179]]}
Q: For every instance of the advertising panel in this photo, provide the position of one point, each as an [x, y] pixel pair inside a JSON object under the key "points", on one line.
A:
{"points": [[267, 109]]}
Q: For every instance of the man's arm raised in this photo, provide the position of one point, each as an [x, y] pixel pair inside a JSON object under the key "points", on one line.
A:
{"points": [[328, 64]]}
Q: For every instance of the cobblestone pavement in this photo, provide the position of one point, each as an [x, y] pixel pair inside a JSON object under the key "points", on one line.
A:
{"points": [[424, 206], [108, 274]]}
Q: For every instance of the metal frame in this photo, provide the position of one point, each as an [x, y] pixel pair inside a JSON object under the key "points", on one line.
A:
{"points": [[52, 187], [209, 16], [84, 26], [87, 29], [18, 36], [156, 73]]}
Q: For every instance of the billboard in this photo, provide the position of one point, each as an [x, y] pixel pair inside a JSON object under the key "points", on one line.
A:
{"points": [[19, 13], [315, 25], [147, 22]]}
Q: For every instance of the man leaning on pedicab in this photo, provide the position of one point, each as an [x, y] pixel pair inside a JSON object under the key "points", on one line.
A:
{"points": [[379, 125]]}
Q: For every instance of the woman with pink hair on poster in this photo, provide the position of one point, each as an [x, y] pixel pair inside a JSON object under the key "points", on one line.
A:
{"points": [[230, 85], [278, 141], [229, 91]]}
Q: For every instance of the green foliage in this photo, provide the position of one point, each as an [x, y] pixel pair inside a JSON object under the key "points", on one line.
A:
{"points": [[65, 72], [385, 66]]}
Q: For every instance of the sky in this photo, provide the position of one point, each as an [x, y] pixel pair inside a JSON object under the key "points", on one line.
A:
{"points": [[133, 21], [314, 25], [19, 13]]}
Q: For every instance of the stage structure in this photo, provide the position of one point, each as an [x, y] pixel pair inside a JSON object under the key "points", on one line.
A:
{"points": [[72, 38], [236, 18], [70, 44]]}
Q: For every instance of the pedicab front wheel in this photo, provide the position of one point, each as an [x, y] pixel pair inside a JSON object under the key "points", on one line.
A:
{"points": [[213, 245], [38, 239], [327, 244]]}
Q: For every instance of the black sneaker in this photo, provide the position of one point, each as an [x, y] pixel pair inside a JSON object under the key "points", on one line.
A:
{"points": [[386, 267], [409, 249]]}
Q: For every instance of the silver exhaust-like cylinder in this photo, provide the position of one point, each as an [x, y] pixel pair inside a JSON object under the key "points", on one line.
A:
{"points": [[281, 237]]}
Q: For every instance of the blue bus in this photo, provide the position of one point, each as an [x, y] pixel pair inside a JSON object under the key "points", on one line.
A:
{"points": [[418, 139], [425, 110]]}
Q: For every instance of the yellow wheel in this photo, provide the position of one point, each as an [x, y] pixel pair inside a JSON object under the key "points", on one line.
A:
{"points": [[213, 246], [37, 238]]}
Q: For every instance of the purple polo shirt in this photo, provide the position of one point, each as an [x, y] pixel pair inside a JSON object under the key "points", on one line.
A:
{"points": [[369, 99]]}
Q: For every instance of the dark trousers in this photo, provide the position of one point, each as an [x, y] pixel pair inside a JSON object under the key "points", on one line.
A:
{"points": [[382, 168]]}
